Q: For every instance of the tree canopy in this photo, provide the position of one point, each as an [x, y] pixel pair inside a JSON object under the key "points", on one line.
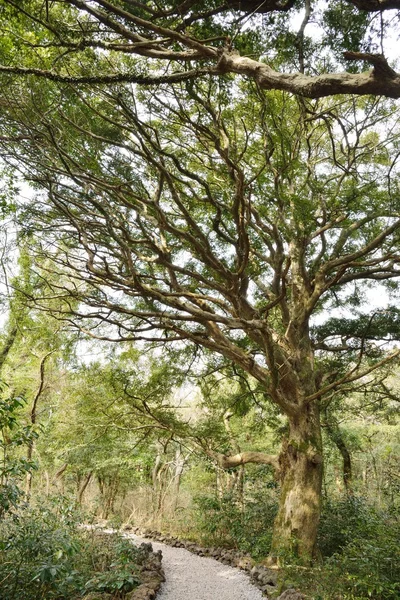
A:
{"points": [[221, 212], [78, 41]]}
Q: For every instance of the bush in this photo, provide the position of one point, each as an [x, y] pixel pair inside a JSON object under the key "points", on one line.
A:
{"points": [[13, 467], [360, 560], [44, 555], [345, 519], [370, 563], [224, 522]]}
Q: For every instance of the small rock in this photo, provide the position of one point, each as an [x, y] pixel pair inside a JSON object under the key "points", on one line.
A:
{"points": [[146, 547], [244, 563], [268, 576], [267, 589]]}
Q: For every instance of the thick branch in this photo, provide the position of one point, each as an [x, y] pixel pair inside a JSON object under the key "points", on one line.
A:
{"points": [[378, 61], [243, 458], [381, 81], [106, 79], [375, 82]]}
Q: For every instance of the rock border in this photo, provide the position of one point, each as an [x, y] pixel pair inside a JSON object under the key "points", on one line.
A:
{"points": [[264, 578], [151, 574]]}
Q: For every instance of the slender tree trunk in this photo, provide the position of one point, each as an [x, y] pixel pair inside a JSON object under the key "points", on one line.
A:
{"points": [[296, 524], [33, 420], [8, 343], [155, 478], [108, 489], [83, 486], [180, 462], [337, 437], [219, 475], [162, 484], [240, 488], [47, 477], [58, 478], [237, 481]]}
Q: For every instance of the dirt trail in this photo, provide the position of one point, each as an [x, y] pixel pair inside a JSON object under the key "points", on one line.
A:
{"points": [[192, 577]]}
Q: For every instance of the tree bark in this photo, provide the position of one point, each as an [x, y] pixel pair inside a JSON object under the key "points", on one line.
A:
{"points": [[8, 343], [296, 524], [33, 419], [180, 462], [83, 486], [59, 473], [337, 438]]}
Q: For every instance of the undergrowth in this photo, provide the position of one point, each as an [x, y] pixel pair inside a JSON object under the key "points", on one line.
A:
{"points": [[358, 545], [44, 555]]}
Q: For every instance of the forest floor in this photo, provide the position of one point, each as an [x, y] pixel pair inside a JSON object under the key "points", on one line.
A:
{"points": [[193, 577]]}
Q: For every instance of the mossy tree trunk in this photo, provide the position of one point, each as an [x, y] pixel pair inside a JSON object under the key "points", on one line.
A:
{"points": [[301, 457], [296, 524]]}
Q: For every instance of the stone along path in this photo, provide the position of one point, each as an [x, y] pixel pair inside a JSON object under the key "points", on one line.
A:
{"points": [[192, 577]]}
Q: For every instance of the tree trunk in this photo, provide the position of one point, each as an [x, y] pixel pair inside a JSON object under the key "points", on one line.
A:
{"points": [[295, 528], [33, 419], [109, 487], [337, 437], [179, 467], [47, 478], [83, 486], [219, 484], [58, 479], [8, 343]]}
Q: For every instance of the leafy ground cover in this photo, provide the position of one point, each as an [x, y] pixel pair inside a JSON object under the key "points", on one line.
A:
{"points": [[359, 546], [45, 555]]}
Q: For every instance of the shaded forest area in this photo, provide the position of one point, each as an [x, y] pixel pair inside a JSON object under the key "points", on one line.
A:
{"points": [[130, 439], [199, 286]]}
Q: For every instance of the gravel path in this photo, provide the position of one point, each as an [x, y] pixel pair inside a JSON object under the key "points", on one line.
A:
{"points": [[192, 577]]}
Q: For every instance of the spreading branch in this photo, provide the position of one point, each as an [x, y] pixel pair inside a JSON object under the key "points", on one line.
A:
{"points": [[165, 36]]}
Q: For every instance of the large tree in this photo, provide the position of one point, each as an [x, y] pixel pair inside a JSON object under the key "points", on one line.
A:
{"points": [[215, 218], [209, 210]]}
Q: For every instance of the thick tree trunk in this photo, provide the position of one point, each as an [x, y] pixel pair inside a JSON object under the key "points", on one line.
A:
{"points": [[296, 524]]}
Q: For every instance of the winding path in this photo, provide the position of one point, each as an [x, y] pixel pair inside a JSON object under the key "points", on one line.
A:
{"points": [[192, 577]]}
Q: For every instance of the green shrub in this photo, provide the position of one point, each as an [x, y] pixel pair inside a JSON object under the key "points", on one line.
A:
{"points": [[225, 522], [44, 554], [370, 566], [360, 560], [13, 467], [343, 520]]}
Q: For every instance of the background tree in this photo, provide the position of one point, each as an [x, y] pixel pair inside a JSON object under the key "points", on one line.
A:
{"points": [[31, 360]]}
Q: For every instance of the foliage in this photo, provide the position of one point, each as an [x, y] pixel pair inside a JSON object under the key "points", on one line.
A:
{"points": [[358, 544], [219, 212], [13, 466], [343, 520], [44, 554], [225, 522], [360, 557]]}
